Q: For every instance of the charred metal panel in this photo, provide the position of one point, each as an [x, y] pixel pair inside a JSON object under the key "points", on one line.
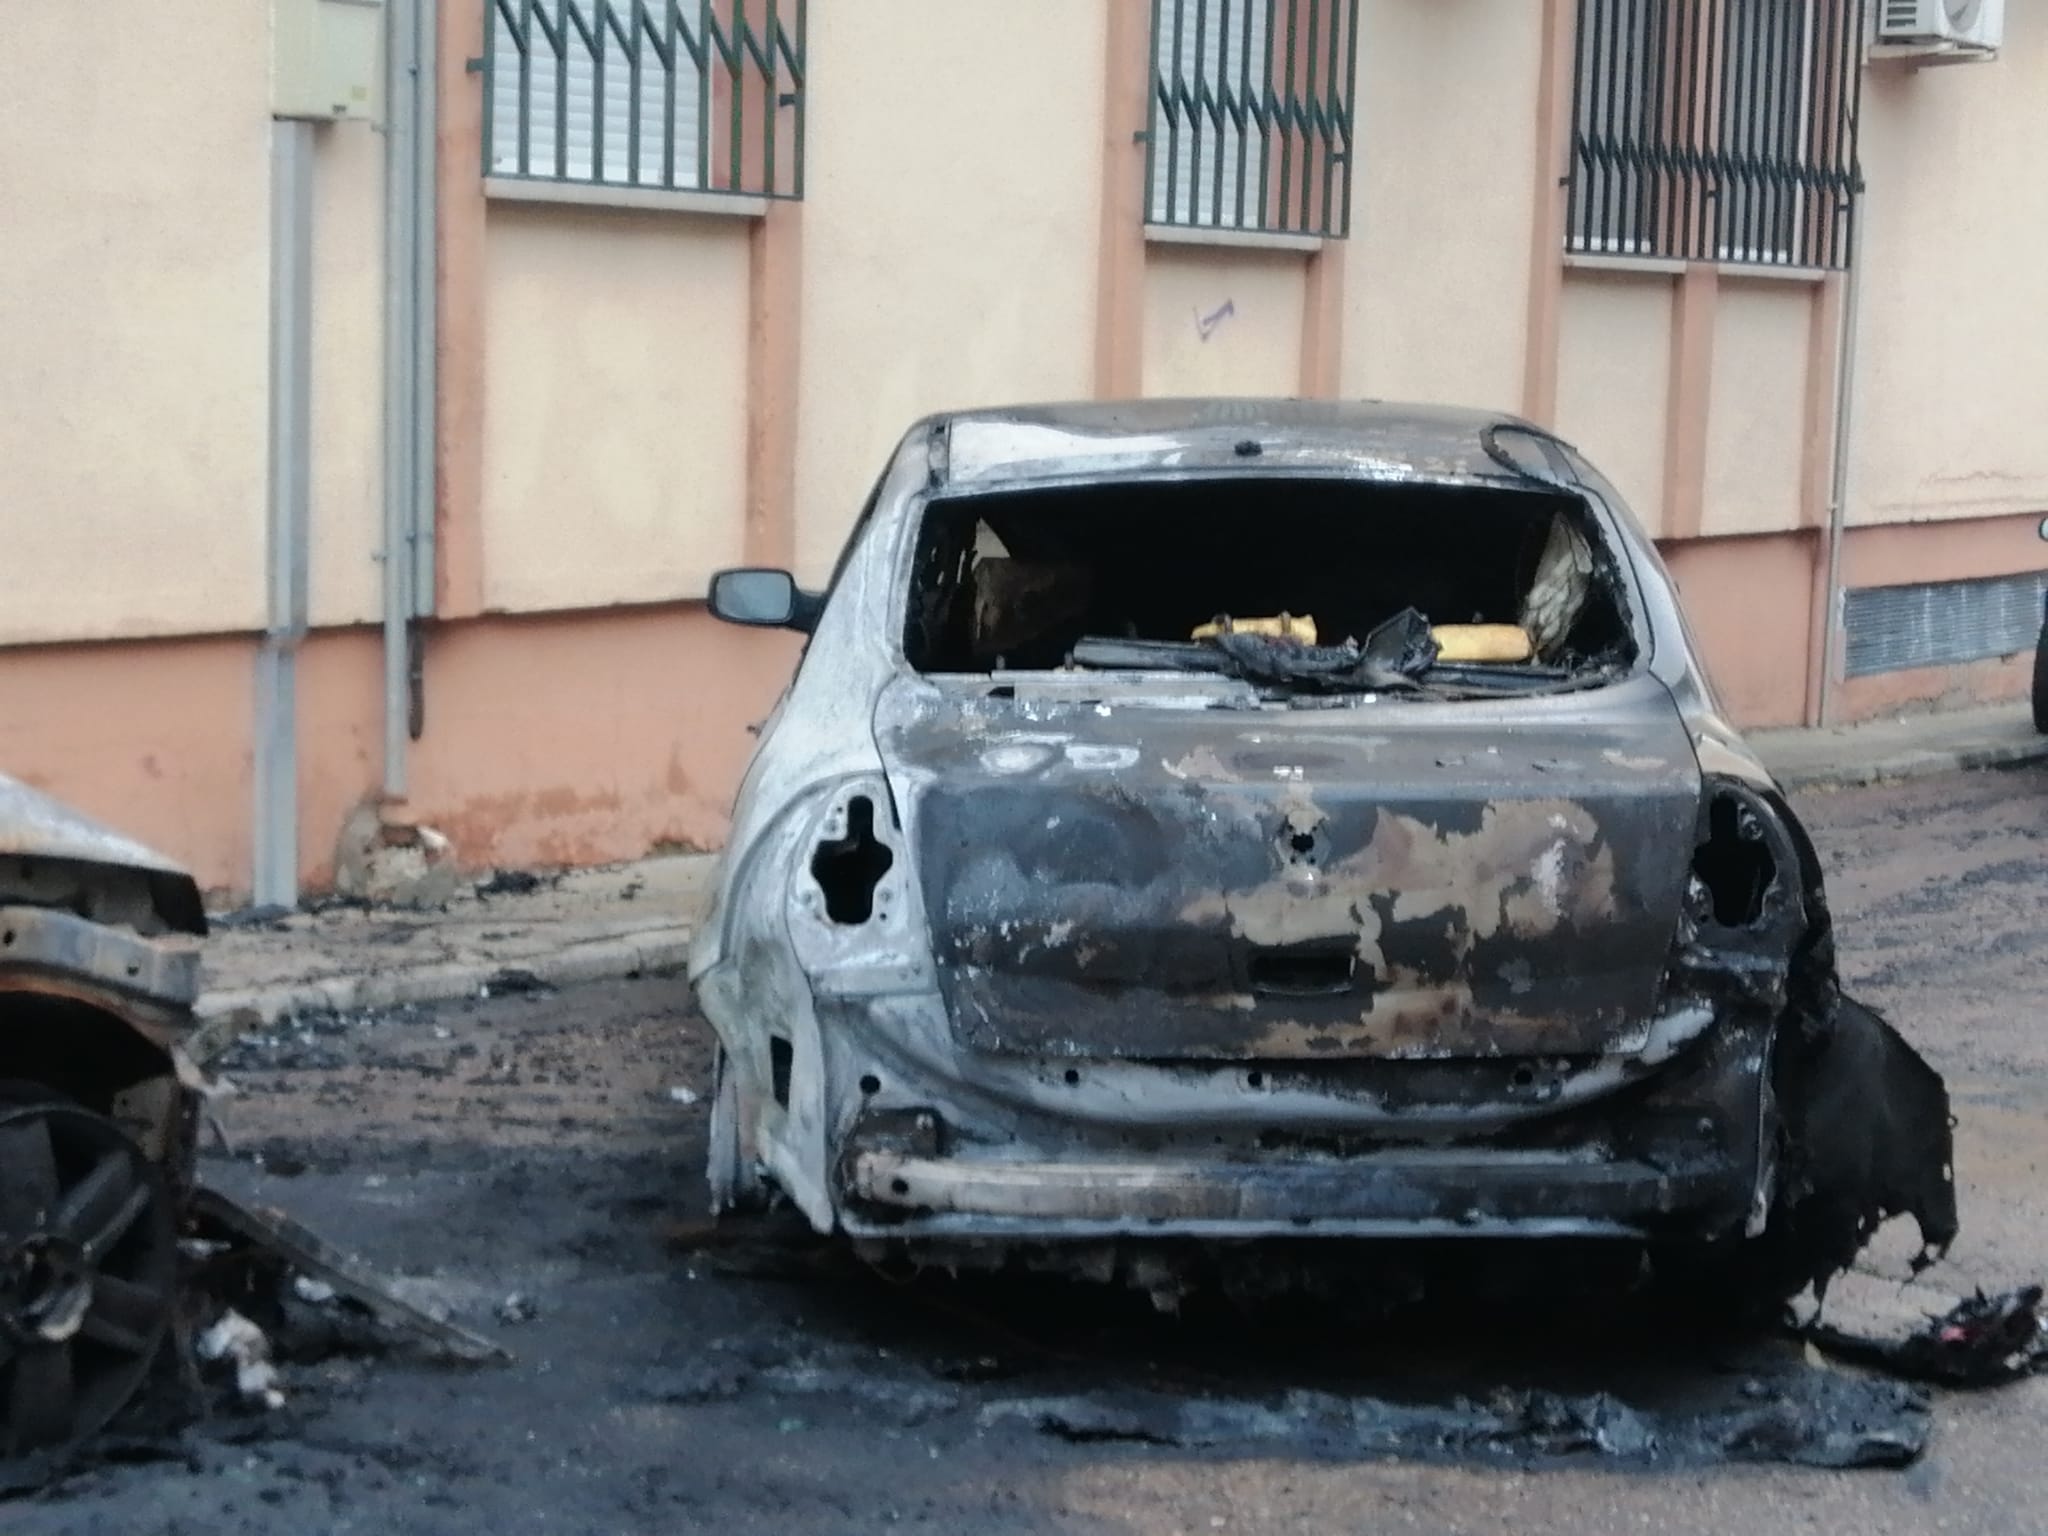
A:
{"points": [[1868, 1136], [1151, 885], [1103, 440], [1480, 1190], [55, 946], [1682, 1157], [48, 836]]}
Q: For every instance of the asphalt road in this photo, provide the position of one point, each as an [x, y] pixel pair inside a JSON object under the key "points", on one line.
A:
{"points": [[533, 1145]]}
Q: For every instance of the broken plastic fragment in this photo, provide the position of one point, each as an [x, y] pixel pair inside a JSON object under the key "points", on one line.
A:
{"points": [[235, 1338], [1281, 627], [1557, 594], [1482, 642], [273, 1233]]}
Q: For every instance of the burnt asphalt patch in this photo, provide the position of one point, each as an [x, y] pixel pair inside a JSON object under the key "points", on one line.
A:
{"points": [[1477, 1374], [527, 1148]]}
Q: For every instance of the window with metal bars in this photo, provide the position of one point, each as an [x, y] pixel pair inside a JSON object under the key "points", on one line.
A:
{"points": [[661, 95], [1251, 117], [1716, 130]]}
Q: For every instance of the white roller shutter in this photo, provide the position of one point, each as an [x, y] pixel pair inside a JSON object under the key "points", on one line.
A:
{"points": [[1226, 41], [573, 113]]}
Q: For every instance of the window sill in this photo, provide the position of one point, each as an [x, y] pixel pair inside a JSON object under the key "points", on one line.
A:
{"points": [[1671, 266], [1233, 239], [597, 194]]}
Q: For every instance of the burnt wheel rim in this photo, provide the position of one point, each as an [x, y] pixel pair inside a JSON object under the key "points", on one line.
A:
{"points": [[88, 1270]]}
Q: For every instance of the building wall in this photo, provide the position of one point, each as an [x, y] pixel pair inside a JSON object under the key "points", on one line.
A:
{"points": [[1441, 210], [346, 518], [632, 399], [1223, 322], [1613, 367], [1708, 394], [1755, 434], [151, 735], [134, 307], [1954, 310], [552, 739], [1749, 602], [615, 417], [950, 217], [132, 392]]}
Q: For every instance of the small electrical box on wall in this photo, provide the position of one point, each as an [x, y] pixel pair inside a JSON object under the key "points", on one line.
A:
{"points": [[327, 59]]}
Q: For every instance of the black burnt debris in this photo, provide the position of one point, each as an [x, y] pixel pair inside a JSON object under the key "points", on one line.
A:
{"points": [[1867, 1131], [1816, 1419], [1867, 1137]]}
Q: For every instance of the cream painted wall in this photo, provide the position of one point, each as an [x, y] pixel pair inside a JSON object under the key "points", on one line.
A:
{"points": [[134, 292], [1613, 378], [1437, 281], [950, 227], [1221, 321], [1756, 408], [347, 514], [1952, 390], [615, 366]]}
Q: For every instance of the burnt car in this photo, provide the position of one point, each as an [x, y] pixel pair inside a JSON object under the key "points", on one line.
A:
{"points": [[99, 969], [1223, 820]]}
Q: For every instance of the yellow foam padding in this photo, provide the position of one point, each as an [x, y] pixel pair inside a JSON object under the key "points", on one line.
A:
{"points": [[1482, 642], [1283, 626]]}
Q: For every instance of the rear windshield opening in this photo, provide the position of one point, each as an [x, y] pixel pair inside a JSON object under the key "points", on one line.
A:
{"points": [[1334, 586]]}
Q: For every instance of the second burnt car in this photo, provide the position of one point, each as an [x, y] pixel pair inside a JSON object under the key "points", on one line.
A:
{"points": [[1226, 820], [99, 969]]}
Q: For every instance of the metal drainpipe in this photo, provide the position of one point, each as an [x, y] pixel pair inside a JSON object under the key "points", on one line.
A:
{"points": [[410, 159], [400, 384], [1838, 491], [275, 875], [426, 181]]}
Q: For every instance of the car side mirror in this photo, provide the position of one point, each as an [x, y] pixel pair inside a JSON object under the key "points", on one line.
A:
{"points": [[765, 599]]}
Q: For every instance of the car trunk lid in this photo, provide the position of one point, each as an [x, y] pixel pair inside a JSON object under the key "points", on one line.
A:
{"points": [[1385, 880]]}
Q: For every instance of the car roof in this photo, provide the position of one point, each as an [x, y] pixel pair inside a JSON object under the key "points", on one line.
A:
{"points": [[1365, 438]]}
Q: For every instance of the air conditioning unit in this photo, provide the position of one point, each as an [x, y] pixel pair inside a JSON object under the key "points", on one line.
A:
{"points": [[1951, 30]]}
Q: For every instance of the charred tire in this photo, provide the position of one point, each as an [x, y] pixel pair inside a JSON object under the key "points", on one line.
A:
{"points": [[2041, 680], [88, 1270], [736, 1186]]}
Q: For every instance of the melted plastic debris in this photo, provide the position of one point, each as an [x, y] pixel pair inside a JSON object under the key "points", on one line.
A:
{"points": [[1981, 1341]]}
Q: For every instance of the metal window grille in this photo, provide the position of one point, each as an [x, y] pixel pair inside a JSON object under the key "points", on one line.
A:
{"points": [[670, 95], [1251, 119], [1941, 623], [1716, 130]]}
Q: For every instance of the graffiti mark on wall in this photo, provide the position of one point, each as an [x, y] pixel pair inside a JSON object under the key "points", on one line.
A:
{"points": [[1205, 325]]}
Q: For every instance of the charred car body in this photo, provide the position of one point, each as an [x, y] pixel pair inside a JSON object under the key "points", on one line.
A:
{"points": [[1221, 821], [99, 969]]}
